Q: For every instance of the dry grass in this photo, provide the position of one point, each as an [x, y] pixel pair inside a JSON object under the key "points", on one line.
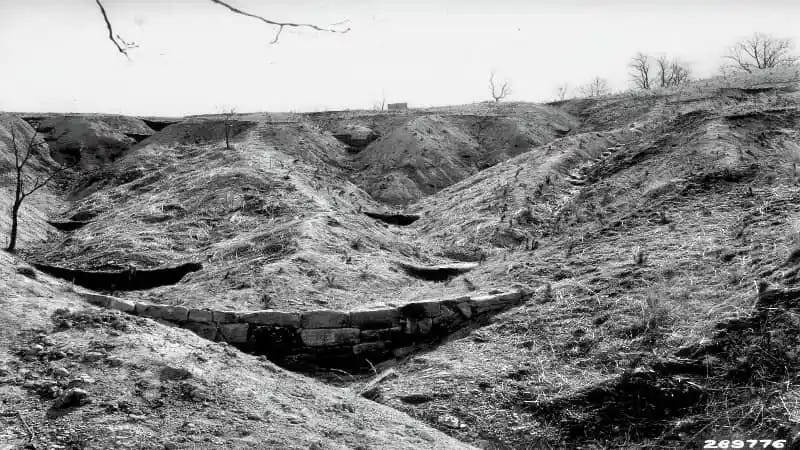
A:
{"points": [[649, 236]]}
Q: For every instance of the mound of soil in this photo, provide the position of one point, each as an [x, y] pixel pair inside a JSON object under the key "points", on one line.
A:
{"points": [[423, 152], [421, 157], [92, 140]]}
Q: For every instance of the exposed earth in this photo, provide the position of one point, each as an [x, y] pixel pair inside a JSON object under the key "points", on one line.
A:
{"points": [[656, 236]]}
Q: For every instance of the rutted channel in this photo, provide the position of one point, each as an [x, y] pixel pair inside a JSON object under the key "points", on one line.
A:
{"points": [[122, 280]]}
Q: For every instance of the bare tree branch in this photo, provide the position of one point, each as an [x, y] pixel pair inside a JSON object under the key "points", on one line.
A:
{"points": [[40, 184], [671, 72], [680, 73], [505, 89], [761, 51], [280, 25], [595, 88], [123, 46], [120, 43], [21, 159], [640, 64], [562, 91]]}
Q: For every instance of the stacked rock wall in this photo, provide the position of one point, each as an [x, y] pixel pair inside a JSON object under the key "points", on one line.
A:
{"points": [[326, 338]]}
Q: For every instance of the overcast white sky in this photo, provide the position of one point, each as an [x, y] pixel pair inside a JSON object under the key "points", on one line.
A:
{"points": [[195, 57]]}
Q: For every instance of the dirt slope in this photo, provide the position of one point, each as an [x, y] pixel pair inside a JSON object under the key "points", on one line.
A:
{"points": [[644, 245], [77, 376], [80, 377], [274, 221], [659, 231], [92, 140], [423, 151], [37, 208]]}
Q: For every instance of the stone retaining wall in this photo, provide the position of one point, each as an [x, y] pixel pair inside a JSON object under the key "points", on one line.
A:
{"points": [[326, 338]]}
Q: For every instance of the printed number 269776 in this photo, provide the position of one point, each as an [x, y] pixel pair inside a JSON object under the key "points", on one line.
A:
{"points": [[745, 443]]}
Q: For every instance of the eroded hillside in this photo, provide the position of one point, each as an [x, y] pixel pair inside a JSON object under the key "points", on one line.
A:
{"points": [[78, 376], [658, 233]]}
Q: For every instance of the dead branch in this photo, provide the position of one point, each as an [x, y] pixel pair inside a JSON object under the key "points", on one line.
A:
{"points": [[280, 25], [123, 46], [28, 429]]}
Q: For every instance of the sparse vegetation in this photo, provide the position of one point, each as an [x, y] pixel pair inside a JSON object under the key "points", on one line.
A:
{"points": [[597, 87], [498, 92], [643, 329], [761, 51], [639, 256], [668, 72], [23, 154], [561, 92], [228, 117]]}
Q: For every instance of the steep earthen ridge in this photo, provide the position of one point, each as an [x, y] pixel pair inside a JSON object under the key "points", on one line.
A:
{"points": [[354, 340]]}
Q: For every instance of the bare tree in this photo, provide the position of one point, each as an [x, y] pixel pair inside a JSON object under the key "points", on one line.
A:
{"points": [[671, 72], [680, 73], [761, 51], [595, 88], [561, 92], [640, 66], [22, 158], [503, 92], [228, 116], [123, 46], [380, 105]]}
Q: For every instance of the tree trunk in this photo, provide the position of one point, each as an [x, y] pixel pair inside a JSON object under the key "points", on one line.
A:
{"points": [[12, 243], [227, 135]]}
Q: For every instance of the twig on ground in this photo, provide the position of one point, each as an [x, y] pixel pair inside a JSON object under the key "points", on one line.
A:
{"points": [[28, 429]]}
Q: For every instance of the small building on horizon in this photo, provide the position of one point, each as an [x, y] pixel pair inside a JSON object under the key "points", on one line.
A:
{"points": [[397, 106]]}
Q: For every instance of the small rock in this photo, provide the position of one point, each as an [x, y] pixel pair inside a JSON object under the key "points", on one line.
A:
{"points": [[51, 391], [416, 399], [34, 349], [114, 361], [72, 397], [58, 354], [82, 379], [60, 372], [253, 416], [26, 271], [450, 421], [92, 356], [174, 373]]}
